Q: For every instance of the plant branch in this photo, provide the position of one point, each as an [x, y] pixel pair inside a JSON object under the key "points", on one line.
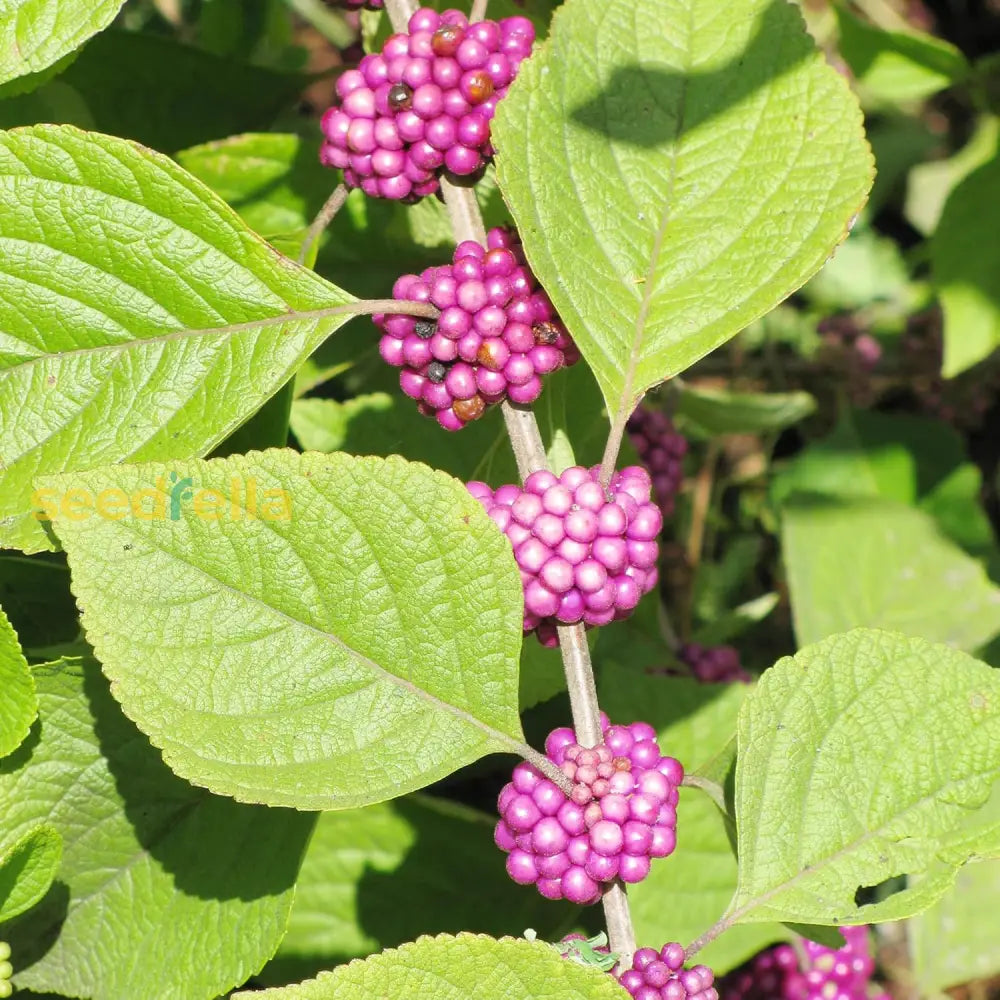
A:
{"points": [[720, 926], [546, 766], [323, 218], [614, 445], [478, 12]]}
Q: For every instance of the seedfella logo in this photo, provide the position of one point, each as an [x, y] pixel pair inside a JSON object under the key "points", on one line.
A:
{"points": [[170, 498]]}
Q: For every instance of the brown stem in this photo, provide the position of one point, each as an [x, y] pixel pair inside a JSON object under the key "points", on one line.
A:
{"points": [[404, 307], [325, 216], [478, 12]]}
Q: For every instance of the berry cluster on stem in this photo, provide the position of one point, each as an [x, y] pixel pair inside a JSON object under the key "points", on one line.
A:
{"points": [[661, 449]]}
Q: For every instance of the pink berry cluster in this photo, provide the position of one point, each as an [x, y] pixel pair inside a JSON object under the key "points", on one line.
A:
{"points": [[662, 451], [622, 813], [713, 664], [496, 336], [661, 976], [584, 555], [424, 103], [777, 974]]}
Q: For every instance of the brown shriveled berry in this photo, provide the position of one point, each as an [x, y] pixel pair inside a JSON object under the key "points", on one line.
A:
{"points": [[436, 371], [622, 764], [400, 97], [469, 409], [488, 356], [546, 333], [446, 40], [480, 87]]}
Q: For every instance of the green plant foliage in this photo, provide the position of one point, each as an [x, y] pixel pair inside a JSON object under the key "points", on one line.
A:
{"points": [[966, 260], [892, 66], [455, 968], [700, 173], [694, 722], [881, 564], [34, 34], [172, 341], [836, 791], [365, 877], [35, 594], [158, 92], [27, 869], [955, 940], [352, 638], [18, 705], [707, 413], [165, 892]]}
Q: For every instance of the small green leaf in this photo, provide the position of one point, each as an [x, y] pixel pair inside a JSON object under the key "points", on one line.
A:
{"points": [[27, 869], [699, 173], [165, 892], [365, 877], [860, 758], [18, 705], [881, 564], [36, 33], [172, 340], [306, 630], [965, 257], [456, 968], [708, 413], [892, 66], [954, 941]]}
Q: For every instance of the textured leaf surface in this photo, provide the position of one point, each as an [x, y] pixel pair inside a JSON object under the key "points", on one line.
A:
{"points": [[694, 722], [699, 172], [881, 564], [364, 885], [17, 704], [36, 33], [165, 892], [955, 940], [860, 759], [309, 630], [456, 968], [965, 257], [27, 869], [140, 318]]}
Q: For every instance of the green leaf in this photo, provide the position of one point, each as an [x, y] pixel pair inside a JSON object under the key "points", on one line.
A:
{"points": [[364, 882], [894, 67], [708, 413], [27, 869], [306, 630], [859, 759], [881, 564], [954, 941], [34, 592], [120, 348], [700, 173], [965, 258], [165, 892], [160, 93], [694, 722], [456, 968], [36, 33], [18, 705]]}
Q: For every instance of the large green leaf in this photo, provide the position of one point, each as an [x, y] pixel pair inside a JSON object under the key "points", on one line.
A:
{"points": [[364, 882], [694, 722], [36, 33], [672, 185], [165, 892], [965, 256], [881, 564], [955, 940], [18, 705], [306, 630], [153, 89], [456, 968], [862, 758], [27, 869], [141, 319]]}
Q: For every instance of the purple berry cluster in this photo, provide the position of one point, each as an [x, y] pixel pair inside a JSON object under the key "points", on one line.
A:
{"points": [[424, 103], [777, 974], [661, 976], [497, 334], [622, 813], [358, 4], [584, 556], [713, 664], [662, 451]]}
